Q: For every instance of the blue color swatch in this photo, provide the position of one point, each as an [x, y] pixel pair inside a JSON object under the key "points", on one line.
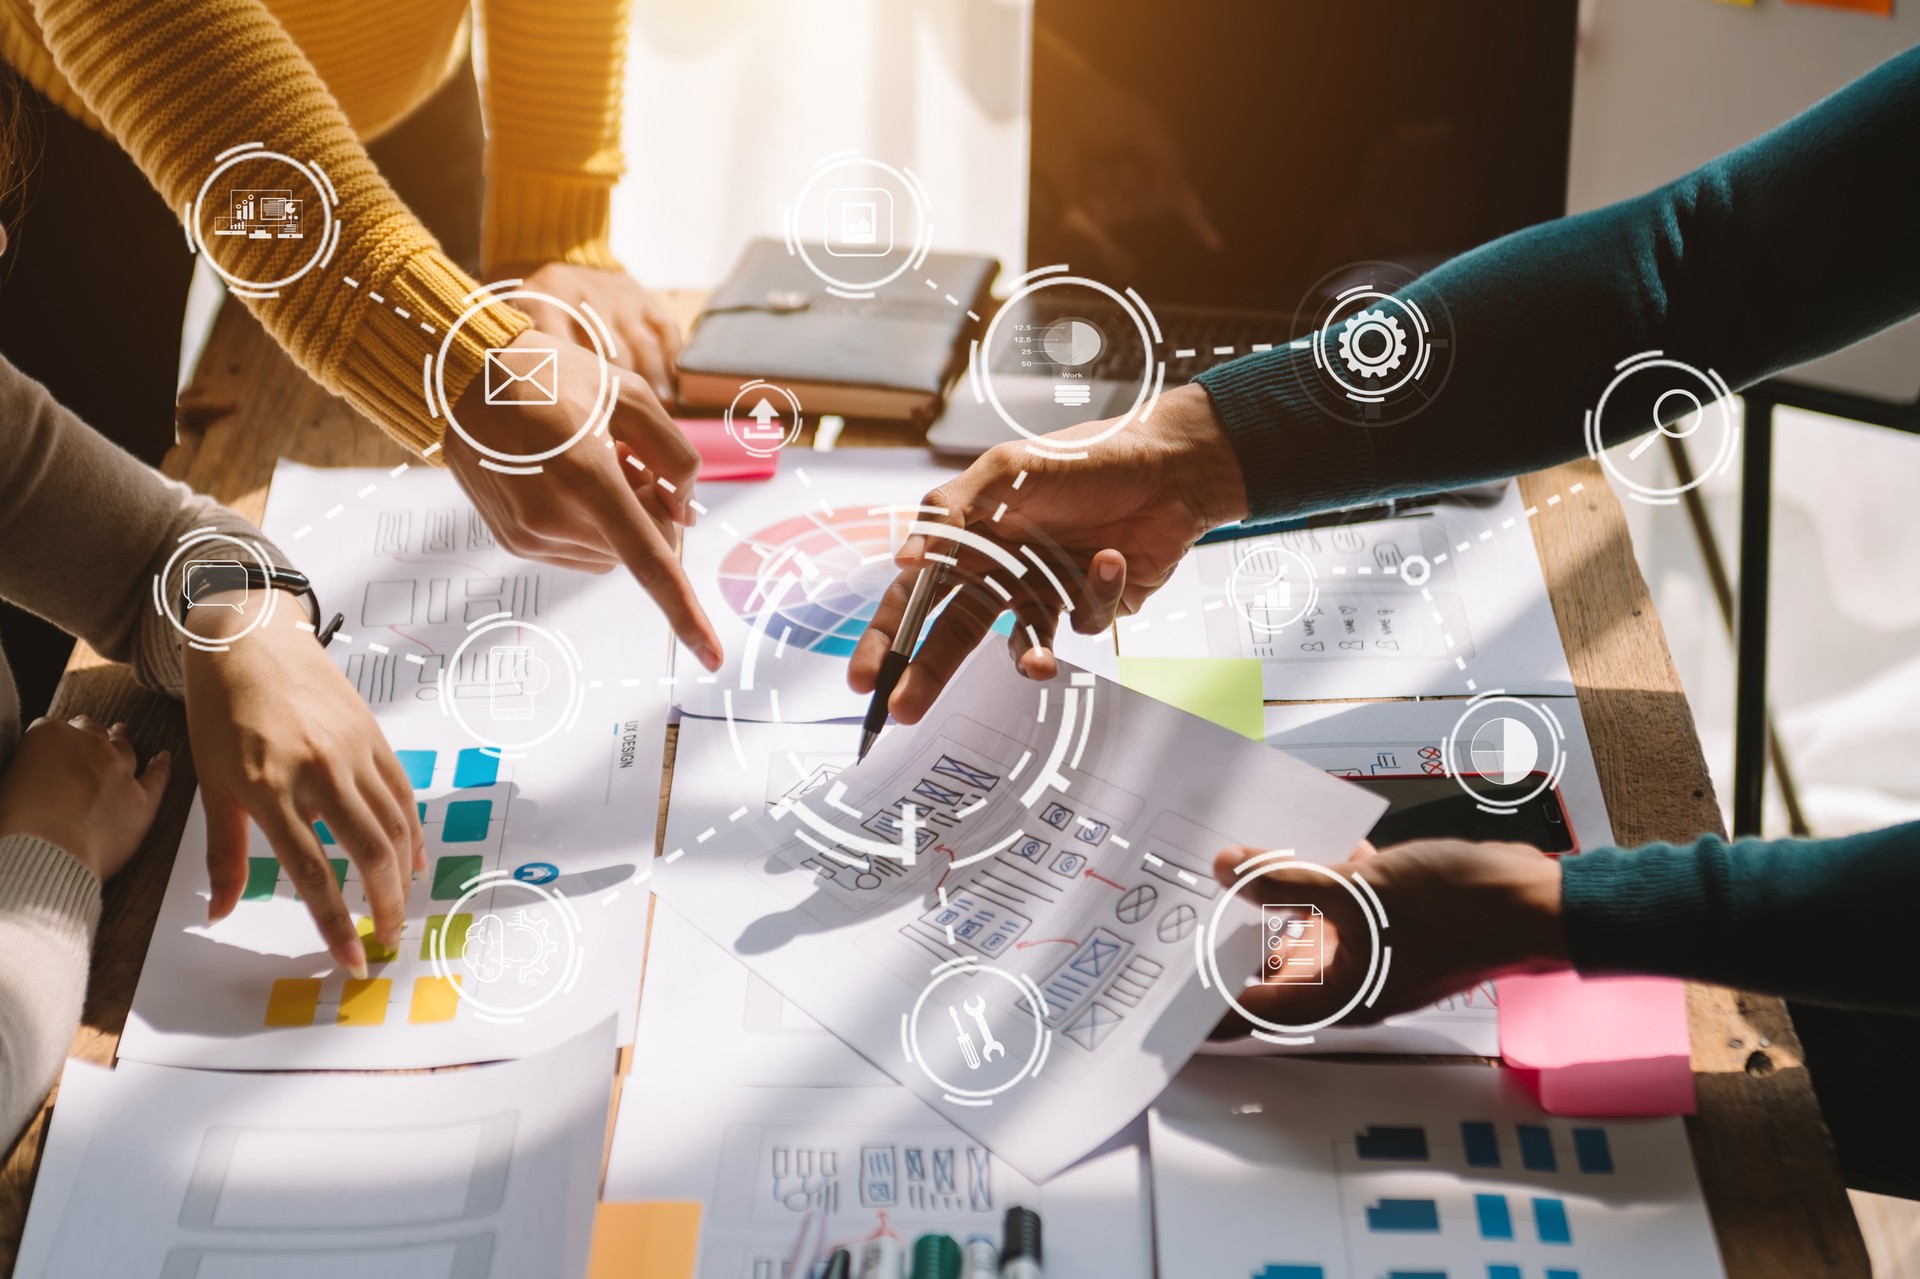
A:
{"points": [[1591, 1149], [1536, 1149], [475, 767], [419, 766], [1495, 1221], [1391, 1143], [326, 836], [1395, 1215], [1550, 1219], [466, 821], [1416, 1274], [1483, 1146], [1274, 1270], [1563, 1274], [1498, 1270]]}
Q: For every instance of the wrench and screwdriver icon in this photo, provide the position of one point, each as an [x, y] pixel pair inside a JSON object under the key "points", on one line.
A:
{"points": [[990, 1047]]}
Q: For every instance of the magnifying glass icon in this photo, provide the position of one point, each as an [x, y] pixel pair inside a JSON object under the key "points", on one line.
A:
{"points": [[1689, 418]]}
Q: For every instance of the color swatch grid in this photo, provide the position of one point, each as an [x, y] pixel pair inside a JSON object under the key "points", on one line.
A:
{"points": [[1503, 1191], [465, 825]]}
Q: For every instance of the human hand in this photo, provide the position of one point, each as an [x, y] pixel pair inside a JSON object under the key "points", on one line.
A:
{"points": [[1461, 913], [280, 737], [1117, 521], [80, 787], [648, 337], [590, 507]]}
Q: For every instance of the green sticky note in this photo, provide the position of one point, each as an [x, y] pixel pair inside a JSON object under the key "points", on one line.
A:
{"points": [[451, 875], [1225, 690], [262, 874]]}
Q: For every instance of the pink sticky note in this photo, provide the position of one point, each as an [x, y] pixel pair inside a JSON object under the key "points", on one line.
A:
{"points": [[1599, 1046], [721, 456]]}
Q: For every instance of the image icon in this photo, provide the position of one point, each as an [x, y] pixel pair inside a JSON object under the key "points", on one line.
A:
{"points": [[516, 676], [522, 375], [859, 222]]}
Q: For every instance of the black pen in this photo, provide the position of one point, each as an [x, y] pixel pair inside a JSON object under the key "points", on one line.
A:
{"points": [[926, 589]]}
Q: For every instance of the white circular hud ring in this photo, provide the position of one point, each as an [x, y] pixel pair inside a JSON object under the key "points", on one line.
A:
{"points": [[606, 392], [1150, 373], [1029, 994], [324, 243], [1206, 943], [1450, 748], [1706, 387]]}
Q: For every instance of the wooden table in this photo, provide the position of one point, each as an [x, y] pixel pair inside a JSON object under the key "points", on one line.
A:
{"points": [[1778, 1205]]}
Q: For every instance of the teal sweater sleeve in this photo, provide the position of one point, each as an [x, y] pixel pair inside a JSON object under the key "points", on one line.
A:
{"points": [[1823, 920], [1793, 246]]}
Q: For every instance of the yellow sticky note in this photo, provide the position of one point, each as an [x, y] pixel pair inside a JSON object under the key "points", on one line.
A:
{"points": [[376, 953], [455, 927], [364, 1003], [292, 1001], [1225, 690], [434, 999], [654, 1240]]}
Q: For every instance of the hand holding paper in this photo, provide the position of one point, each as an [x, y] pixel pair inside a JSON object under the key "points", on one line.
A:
{"points": [[1461, 913]]}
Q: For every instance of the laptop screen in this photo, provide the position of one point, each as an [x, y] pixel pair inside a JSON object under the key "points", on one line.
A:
{"points": [[1230, 153]]}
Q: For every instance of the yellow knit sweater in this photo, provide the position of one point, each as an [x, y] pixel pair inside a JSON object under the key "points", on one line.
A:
{"points": [[179, 82]]}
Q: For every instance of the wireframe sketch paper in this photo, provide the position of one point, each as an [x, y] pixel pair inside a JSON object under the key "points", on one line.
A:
{"points": [[790, 570], [999, 906], [870, 1160], [1310, 1170], [1337, 612], [525, 704], [1395, 748], [468, 1174]]}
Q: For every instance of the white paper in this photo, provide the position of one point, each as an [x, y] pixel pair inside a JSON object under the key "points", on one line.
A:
{"points": [[1369, 632], [78, 1108], [412, 566], [1260, 1164], [876, 1158], [459, 1175], [1399, 739], [1063, 833], [790, 571]]}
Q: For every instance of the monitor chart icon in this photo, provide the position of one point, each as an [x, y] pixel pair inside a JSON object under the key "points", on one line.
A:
{"points": [[261, 214]]}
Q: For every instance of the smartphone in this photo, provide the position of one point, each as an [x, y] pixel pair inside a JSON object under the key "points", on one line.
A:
{"points": [[1422, 806]]}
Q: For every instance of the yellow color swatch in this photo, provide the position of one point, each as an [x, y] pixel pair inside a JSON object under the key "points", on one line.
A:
{"points": [[376, 953], [1226, 690], [293, 1001], [364, 1003], [434, 999], [456, 938], [654, 1240]]}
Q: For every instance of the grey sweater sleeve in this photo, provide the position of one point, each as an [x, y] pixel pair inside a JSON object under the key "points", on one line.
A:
{"points": [[86, 528], [49, 907]]}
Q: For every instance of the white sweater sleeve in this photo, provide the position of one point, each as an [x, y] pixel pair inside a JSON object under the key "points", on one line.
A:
{"points": [[49, 908]]}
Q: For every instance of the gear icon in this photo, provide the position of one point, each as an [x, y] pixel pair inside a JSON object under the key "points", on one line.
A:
{"points": [[1377, 324]]}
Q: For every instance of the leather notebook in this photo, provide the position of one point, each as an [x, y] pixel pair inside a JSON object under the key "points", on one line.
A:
{"points": [[888, 356]]}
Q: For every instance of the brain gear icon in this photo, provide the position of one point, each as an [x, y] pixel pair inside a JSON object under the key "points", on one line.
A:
{"points": [[1372, 343]]}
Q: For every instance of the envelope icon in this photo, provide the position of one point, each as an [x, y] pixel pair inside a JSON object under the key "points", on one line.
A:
{"points": [[522, 375]]}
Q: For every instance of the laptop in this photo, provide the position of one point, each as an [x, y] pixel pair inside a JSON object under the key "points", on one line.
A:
{"points": [[1228, 159]]}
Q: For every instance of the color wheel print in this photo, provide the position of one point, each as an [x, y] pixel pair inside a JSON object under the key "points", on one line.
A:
{"points": [[812, 582]]}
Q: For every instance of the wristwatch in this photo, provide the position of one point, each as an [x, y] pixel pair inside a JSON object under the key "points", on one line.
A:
{"points": [[206, 577]]}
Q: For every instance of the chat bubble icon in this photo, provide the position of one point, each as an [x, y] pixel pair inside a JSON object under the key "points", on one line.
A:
{"points": [[208, 579]]}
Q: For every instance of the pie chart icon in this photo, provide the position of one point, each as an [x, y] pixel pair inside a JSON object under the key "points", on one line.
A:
{"points": [[1072, 342], [1504, 750]]}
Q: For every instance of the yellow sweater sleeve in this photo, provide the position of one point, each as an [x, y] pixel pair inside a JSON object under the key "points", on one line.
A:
{"points": [[180, 82], [551, 89]]}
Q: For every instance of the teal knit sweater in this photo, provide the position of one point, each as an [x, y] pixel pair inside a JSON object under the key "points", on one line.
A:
{"points": [[1797, 244]]}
